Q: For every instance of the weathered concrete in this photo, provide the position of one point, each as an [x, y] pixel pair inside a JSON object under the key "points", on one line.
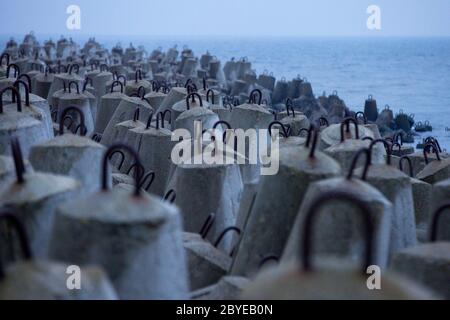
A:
{"points": [[44, 280], [284, 191], [70, 155], [428, 264], [228, 288], [331, 281], [137, 240], [34, 202], [206, 264], [340, 229]]}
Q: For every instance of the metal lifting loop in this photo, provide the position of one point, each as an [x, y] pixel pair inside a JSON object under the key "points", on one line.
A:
{"points": [[386, 146], [209, 93], [284, 134], [15, 94], [408, 159], [364, 212], [18, 160], [80, 114], [170, 196], [76, 86], [346, 124], [435, 221], [27, 92], [13, 221], [366, 165], [360, 113], [28, 78], [252, 99], [313, 134], [115, 83], [434, 148], [122, 157], [207, 225], [193, 95], [109, 152], [16, 70]]}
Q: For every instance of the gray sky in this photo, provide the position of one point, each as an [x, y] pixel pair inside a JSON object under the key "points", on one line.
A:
{"points": [[228, 17]]}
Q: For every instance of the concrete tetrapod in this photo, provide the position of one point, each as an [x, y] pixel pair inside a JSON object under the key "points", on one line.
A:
{"points": [[136, 238], [204, 187], [206, 263], [251, 115], [228, 288], [107, 106], [124, 112], [285, 191], [429, 263], [340, 235], [423, 195], [34, 196], [334, 279], [441, 194], [78, 99], [186, 120], [345, 151], [434, 171], [31, 279], [70, 155], [19, 122], [396, 187], [154, 145]]}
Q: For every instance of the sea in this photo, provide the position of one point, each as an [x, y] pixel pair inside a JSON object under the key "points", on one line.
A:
{"points": [[411, 75]]}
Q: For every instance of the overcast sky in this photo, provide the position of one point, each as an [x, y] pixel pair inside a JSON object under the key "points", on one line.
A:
{"points": [[228, 17]]}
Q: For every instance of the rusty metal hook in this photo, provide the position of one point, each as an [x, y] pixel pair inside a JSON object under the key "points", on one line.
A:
{"points": [[117, 82], [136, 115], [151, 175], [284, 134], [323, 122], [227, 124], [170, 196], [435, 221], [434, 148], [318, 203], [76, 86], [17, 225], [87, 81], [122, 157], [267, 258], [207, 225], [137, 178], [141, 92], [124, 82], [138, 75], [27, 92], [386, 146], [224, 232], [252, 99], [80, 114], [408, 159], [15, 93], [165, 113], [18, 160], [313, 134], [360, 113], [16, 70], [28, 78], [209, 93], [368, 154], [149, 120], [193, 95], [346, 123]]}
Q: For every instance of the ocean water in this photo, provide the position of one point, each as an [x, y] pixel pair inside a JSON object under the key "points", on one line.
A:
{"points": [[409, 74]]}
